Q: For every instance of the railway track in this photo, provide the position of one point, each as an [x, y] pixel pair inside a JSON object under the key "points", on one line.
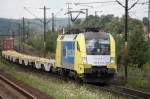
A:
{"points": [[137, 94], [23, 89], [129, 93]]}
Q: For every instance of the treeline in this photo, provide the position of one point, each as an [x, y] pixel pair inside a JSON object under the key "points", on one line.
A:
{"points": [[37, 42], [10, 26]]}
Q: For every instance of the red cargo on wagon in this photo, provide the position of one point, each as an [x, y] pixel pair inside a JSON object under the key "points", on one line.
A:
{"points": [[8, 43]]}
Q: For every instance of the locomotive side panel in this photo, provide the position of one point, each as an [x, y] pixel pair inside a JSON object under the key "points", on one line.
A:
{"points": [[80, 53], [58, 51], [113, 65], [65, 51], [67, 54]]}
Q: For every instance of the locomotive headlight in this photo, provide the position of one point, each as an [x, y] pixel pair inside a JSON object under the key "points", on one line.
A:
{"points": [[112, 59], [84, 59]]}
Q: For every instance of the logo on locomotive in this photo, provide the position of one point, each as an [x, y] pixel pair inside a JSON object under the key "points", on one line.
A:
{"points": [[68, 52]]}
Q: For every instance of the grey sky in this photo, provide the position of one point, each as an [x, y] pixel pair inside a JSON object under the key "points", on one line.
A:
{"points": [[15, 8]]}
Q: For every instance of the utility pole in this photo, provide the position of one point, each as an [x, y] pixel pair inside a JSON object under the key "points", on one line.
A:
{"points": [[69, 24], [23, 33], [28, 30], [45, 26], [53, 24], [126, 38], [127, 8], [44, 31], [95, 13], [23, 30], [19, 33], [148, 19]]}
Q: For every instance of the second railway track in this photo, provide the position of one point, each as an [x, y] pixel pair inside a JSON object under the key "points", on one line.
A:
{"points": [[24, 90], [137, 94], [127, 92]]}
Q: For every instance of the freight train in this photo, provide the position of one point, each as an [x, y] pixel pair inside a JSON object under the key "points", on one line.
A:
{"points": [[88, 57]]}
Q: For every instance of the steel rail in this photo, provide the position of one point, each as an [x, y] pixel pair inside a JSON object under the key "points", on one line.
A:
{"points": [[17, 87], [134, 92]]}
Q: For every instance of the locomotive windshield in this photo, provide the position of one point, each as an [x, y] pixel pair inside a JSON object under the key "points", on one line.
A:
{"points": [[97, 44]]}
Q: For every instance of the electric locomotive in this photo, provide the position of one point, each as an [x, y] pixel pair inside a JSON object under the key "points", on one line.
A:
{"points": [[89, 56]]}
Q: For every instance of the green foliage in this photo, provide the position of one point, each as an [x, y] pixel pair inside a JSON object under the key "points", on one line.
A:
{"points": [[137, 43], [140, 82], [148, 53], [51, 42], [93, 22], [116, 26], [119, 48], [36, 42], [137, 77]]}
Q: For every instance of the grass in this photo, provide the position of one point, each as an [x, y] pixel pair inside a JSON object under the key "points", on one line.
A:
{"points": [[57, 88], [137, 77]]}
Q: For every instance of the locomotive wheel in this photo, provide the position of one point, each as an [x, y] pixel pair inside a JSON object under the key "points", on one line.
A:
{"points": [[78, 79]]}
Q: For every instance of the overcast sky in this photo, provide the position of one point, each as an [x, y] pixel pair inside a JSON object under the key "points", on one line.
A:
{"points": [[15, 8]]}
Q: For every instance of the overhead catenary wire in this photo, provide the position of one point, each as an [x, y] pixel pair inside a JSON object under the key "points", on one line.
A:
{"points": [[95, 2], [48, 21], [143, 3], [69, 24], [44, 24], [33, 14]]}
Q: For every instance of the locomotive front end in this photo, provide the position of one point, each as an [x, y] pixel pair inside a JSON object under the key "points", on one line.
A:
{"points": [[100, 61]]}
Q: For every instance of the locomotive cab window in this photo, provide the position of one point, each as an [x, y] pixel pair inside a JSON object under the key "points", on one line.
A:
{"points": [[96, 45]]}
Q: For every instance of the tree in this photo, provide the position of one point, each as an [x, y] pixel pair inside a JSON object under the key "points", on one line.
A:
{"points": [[91, 21], [115, 27], [51, 41], [137, 43]]}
